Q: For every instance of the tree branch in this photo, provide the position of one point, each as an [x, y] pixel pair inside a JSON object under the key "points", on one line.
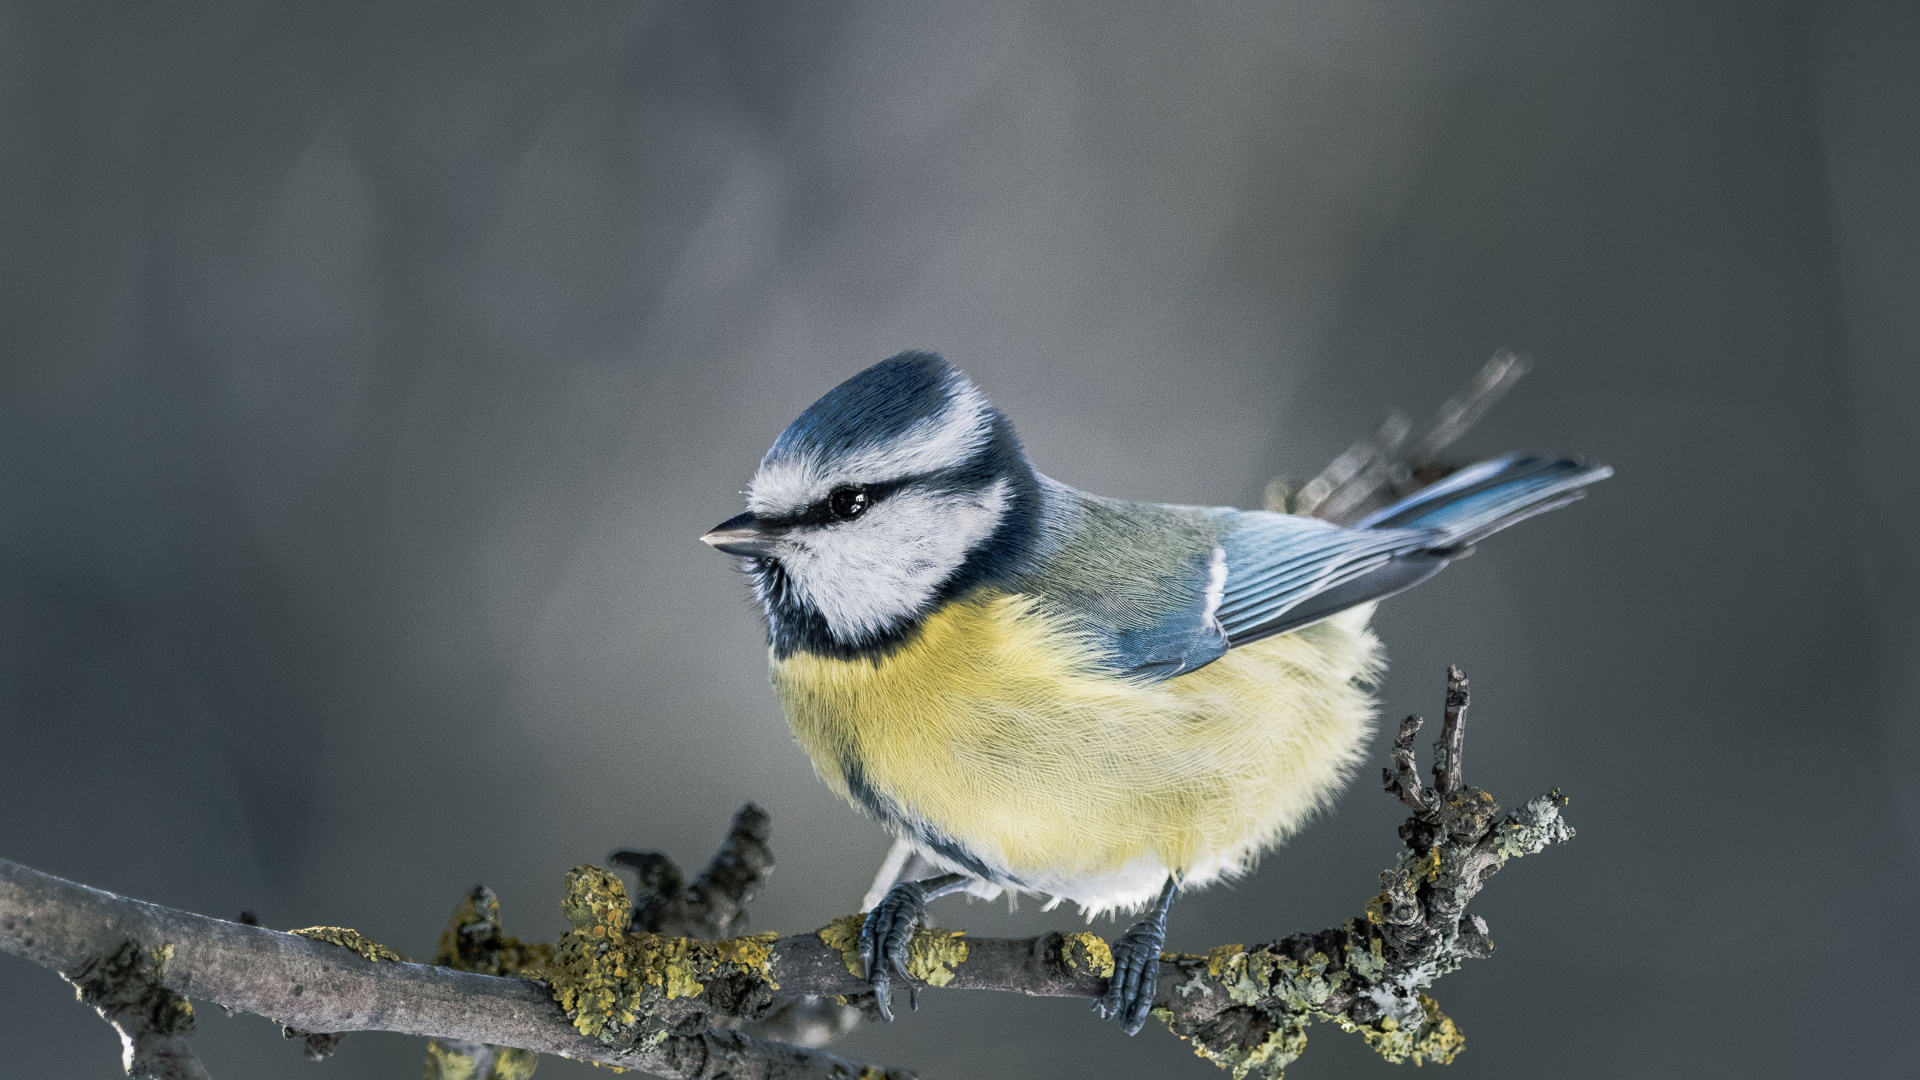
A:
{"points": [[316, 986], [614, 992]]}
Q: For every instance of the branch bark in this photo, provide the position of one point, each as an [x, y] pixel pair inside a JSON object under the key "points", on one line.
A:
{"points": [[315, 986], [649, 1001], [125, 988]]}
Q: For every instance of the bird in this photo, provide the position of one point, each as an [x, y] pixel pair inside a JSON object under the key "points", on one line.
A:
{"points": [[1061, 694]]}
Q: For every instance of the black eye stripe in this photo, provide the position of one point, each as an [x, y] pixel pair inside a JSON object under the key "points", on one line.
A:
{"points": [[820, 511]]}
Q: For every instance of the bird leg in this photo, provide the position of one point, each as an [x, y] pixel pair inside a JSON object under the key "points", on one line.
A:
{"points": [[1136, 965], [887, 936]]}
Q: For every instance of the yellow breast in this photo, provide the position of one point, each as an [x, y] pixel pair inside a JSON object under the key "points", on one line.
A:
{"points": [[995, 726]]}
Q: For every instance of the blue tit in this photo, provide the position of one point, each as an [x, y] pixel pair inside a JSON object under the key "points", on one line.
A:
{"points": [[1062, 694]]}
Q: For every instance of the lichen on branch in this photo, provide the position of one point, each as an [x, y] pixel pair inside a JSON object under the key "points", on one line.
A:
{"points": [[620, 985], [352, 940], [617, 991], [475, 941], [1247, 1010]]}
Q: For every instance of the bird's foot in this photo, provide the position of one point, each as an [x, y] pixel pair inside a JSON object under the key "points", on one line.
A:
{"points": [[1136, 967], [886, 940], [1136, 974]]}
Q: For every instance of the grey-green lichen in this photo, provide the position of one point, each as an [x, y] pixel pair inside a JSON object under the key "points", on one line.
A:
{"points": [[352, 940], [1435, 1038], [1533, 827], [1253, 977], [1366, 976], [611, 980], [1276, 995], [1276, 990], [1263, 1047]]}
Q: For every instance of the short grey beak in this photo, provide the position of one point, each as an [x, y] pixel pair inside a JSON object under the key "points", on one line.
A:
{"points": [[742, 534]]}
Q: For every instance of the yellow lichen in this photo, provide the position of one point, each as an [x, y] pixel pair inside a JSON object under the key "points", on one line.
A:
{"points": [[1268, 1060], [177, 1013], [351, 939], [1088, 953], [1377, 908], [607, 978], [508, 1064], [444, 1064], [843, 936], [1436, 1038], [473, 942], [931, 958], [1428, 868], [595, 898], [934, 954], [1225, 957], [753, 954], [513, 1063]]}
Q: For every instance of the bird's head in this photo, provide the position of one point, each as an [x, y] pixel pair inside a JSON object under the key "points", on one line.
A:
{"points": [[898, 489]]}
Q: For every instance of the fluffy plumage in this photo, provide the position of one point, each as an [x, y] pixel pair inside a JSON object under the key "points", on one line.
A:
{"points": [[1061, 693], [998, 731]]}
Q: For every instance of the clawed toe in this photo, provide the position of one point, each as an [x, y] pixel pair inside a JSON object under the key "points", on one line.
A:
{"points": [[886, 939], [1136, 967], [1136, 970]]}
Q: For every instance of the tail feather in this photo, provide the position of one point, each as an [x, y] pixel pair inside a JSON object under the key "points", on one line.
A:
{"points": [[1482, 499]]}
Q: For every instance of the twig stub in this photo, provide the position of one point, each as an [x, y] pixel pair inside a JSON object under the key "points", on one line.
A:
{"points": [[714, 906], [1403, 779], [126, 988], [1446, 763]]}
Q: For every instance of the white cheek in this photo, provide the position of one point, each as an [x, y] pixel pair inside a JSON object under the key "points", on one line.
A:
{"points": [[867, 575]]}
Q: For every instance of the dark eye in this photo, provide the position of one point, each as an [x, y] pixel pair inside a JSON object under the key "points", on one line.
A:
{"points": [[848, 503]]}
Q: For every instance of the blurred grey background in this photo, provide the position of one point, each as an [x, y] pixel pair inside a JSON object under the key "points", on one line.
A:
{"points": [[368, 371]]}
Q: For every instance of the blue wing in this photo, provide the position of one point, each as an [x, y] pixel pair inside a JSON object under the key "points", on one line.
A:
{"points": [[1230, 577], [1286, 572]]}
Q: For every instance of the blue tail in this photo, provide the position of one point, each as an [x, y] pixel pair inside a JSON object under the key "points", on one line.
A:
{"points": [[1482, 499], [1286, 572]]}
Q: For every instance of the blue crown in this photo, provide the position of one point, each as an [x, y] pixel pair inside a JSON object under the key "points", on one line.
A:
{"points": [[873, 408]]}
